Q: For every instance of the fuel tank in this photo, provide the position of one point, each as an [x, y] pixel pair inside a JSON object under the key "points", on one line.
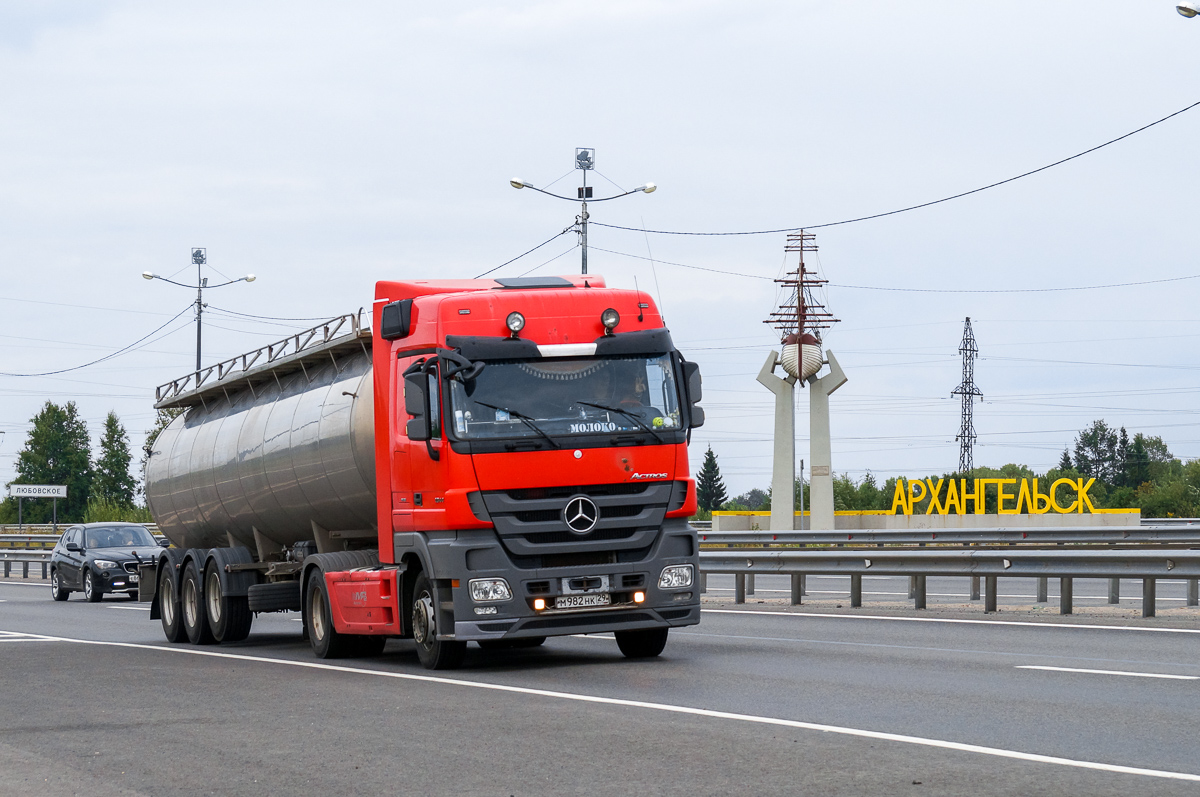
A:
{"points": [[275, 457]]}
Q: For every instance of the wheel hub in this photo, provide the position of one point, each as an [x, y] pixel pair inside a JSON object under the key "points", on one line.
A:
{"points": [[424, 624]]}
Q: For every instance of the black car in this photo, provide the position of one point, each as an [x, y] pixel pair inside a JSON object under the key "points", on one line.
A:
{"points": [[96, 558]]}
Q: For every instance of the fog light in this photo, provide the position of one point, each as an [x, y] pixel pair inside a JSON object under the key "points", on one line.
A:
{"points": [[539, 604], [489, 589], [515, 323], [676, 576], [639, 597], [610, 318]]}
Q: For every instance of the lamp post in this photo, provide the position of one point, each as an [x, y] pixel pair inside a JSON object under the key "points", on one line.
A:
{"points": [[585, 161], [1188, 9], [199, 257]]}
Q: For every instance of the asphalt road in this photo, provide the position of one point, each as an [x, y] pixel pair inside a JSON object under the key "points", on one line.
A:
{"points": [[760, 699]]}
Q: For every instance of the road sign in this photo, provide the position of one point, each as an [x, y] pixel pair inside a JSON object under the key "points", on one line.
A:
{"points": [[37, 491]]}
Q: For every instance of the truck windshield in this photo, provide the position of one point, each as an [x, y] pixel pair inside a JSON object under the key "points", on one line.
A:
{"points": [[568, 396]]}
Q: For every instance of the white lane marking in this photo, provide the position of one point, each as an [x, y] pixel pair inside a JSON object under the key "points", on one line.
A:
{"points": [[1111, 672], [16, 639], [27, 583], [698, 712], [1050, 595], [130, 608], [594, 636], [960, 621]]}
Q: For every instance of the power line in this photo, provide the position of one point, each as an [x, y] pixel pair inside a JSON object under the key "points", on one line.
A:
{"points": [[911, 207], [518, 257], [267, 317], [107, 356]]}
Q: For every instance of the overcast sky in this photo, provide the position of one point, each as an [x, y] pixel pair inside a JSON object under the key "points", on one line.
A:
{"points": [[325, 146]]}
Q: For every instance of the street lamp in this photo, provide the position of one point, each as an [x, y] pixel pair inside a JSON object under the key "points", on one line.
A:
{"points": [[1188, 9], [199, 257], [585, 161]]}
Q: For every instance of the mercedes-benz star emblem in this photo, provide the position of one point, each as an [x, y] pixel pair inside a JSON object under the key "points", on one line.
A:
{"points": [[581, 514]]}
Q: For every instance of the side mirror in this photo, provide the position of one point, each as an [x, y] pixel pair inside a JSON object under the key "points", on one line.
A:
{"points": [[694, 389], [416, 404], [164, 543], [73, 547], [395, 319]]}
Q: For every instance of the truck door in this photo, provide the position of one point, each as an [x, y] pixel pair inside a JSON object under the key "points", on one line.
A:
{"points": [[428, 464]]}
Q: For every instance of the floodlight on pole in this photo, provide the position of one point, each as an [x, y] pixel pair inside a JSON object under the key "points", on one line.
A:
{"points": [[199, 257], [1188, 9], [585, 161]]}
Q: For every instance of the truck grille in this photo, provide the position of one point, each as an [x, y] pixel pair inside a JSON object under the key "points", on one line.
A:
{"points": [[530, 521]]}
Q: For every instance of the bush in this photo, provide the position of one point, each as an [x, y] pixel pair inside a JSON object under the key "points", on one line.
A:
{"points": [[100, 510]]}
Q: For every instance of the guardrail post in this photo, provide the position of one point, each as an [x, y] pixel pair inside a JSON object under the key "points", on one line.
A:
{"points": [[855, 591], [803, 584], [1114, 590], [703, 583], [974, 588], [1043, 589], [1193, 592], [912, 587], [1148, 585], [739, 588], [24, 569], [1065, 596], [43, 570], [797, 590], [7, 566], [989, 594], [749, 583], [919, 592]]}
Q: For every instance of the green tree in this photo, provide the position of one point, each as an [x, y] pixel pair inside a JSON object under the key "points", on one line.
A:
{"points": [[57, 451], [1065, 462], [710, 490], [112, 481], [1097, 454]]}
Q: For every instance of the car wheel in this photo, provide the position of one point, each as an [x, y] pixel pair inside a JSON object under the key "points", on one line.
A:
{"points": [[642, 644], [57, 590], [168, 604], [195, 615], [228, 615], [326, 642], [91, 590], [434, 653]]}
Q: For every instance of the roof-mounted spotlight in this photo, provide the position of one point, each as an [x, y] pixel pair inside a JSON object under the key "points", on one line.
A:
{"points": [[610, 318], [515, 323]]}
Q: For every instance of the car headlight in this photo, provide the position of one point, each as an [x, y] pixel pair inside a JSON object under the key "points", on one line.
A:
{"points": [[489, 589], [104, 564], [676, 576]]}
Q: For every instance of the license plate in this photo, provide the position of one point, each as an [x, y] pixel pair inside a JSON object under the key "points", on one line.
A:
{"points": [[133, 579], [579, 601]]}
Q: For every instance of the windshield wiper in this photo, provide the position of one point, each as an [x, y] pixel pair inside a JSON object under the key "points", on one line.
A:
{"points": [[631, 416], [523, 418]]}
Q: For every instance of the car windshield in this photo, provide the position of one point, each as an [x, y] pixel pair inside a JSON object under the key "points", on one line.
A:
{"points": [[118, 537], [567, 396]]}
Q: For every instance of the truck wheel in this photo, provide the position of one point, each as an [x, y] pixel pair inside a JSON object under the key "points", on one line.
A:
{"points": [[434, 654], [91, 590], [326, 642], [643, 644], [275, 596], [57, 590], [229, 616], [195, 618], [168, 605]]}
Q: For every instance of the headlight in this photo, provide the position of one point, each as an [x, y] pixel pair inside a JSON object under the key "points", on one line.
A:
{"points": [[675, 576], [515, 322], [105, 564], [489, 589], [610, 318]]}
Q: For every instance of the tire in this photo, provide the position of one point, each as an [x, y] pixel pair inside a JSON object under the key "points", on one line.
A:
{"points": [[434, 653], [195, 610], [512, 644], [326, 642], [57, 590], [91, 590], [228, 615], [276, 596], [169, 610], [643, 644]]}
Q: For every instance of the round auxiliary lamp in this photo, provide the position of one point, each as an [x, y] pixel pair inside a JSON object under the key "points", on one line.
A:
{"points": [[801, 356]]}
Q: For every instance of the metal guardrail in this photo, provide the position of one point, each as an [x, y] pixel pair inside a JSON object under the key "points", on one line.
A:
{"points": [[289, 346], [24, 559], [1133, 535], [988, 564]]}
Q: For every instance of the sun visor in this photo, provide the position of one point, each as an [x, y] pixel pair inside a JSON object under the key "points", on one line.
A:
{"points": [[648, 341], [481, 347]]}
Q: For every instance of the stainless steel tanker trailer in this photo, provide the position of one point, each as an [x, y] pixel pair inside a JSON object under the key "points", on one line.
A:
{"points": [[440, 478]]}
